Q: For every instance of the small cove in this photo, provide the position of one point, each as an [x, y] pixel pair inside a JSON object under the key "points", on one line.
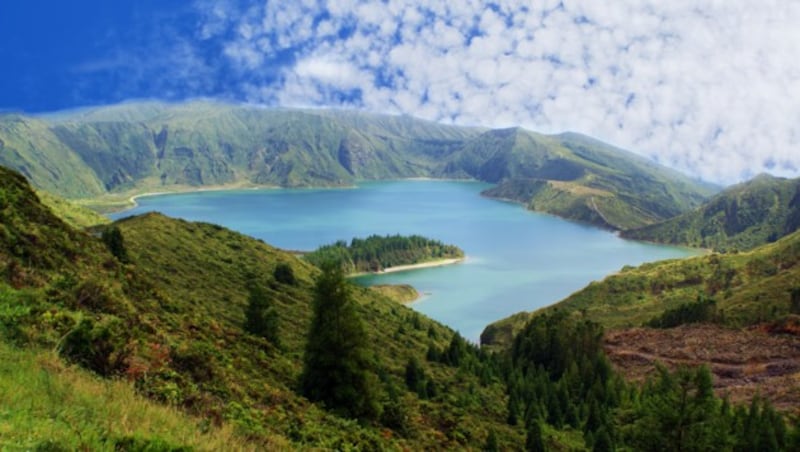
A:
{"points": [[517, 260]]}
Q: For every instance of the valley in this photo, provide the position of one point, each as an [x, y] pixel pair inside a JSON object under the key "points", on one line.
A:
{"points": [[207, 312]]}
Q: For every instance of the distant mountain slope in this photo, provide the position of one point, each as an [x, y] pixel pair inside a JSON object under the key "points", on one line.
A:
{"points": [[136, 147], [742, 217], [580, 178], [29, 146]]}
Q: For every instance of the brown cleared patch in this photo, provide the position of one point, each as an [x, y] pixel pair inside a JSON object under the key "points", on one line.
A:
{"points": [[744, 362]]}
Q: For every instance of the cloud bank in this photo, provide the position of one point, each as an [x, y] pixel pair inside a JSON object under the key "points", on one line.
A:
{"points": [[710, 88]]}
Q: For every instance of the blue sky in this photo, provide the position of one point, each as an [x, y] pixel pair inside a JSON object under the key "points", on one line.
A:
{"points": [[710, 88]]}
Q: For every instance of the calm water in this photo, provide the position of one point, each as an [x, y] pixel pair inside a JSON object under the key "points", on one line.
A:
{"points": [[517, 260]]}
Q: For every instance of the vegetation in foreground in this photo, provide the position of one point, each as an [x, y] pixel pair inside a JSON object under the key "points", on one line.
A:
{"points": [[48, 405], [238, 333], [377, 253], [217, 324], [560, 378]]}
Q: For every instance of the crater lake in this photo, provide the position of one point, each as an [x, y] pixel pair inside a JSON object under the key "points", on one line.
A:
{"points": [[517, 260]]}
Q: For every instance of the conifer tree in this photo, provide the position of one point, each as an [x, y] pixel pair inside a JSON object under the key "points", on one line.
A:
{"points": [[337, 370], [284, 274], [261, 318], [492, 444], [534, 441], [112, 237]]}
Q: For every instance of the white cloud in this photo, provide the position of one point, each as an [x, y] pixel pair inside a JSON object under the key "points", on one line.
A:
{"points": [[710, 88]]}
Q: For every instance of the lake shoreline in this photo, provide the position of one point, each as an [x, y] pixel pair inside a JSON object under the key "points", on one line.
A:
{"points": [[409, 267], [119, 203], [512, 253], [114, 205]]}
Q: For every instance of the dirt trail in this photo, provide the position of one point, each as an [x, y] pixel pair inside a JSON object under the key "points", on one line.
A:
{"points": [[744, 362]]}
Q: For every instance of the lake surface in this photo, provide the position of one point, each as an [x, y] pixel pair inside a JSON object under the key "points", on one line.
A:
{"points": [[517, 260]]}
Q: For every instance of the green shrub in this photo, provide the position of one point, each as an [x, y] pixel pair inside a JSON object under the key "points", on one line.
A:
{"points": [[284, 274], [97, 346]]}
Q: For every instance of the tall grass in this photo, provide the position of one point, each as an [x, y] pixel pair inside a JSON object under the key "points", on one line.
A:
{"points": [[45, 404]]}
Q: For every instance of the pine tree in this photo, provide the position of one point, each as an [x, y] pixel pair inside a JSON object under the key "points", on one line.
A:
{"points": [[284, 274], [415, 377], [261, 318], [337, 370], [492, 444], [112, 237], [602, 441], [534, 441]]}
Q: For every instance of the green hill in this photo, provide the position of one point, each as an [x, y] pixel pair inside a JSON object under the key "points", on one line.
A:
{"points": [[163, 307], [579, 178], [169, 318], [742, 217], [125, 149], [747, 288], [71, 212]]}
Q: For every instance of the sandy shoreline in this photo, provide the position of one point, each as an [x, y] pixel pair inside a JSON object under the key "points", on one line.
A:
{"points": [[439, 263], [403, 268]]}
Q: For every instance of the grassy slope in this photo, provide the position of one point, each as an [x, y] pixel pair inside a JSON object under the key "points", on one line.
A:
{"points": [[132, 148], [175, 315], [204, 269], [749, 287], [73, 214], [401, 293], [741, 217], [48, 404]]}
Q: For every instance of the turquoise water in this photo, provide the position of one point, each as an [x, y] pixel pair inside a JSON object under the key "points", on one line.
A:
{"points": [[517, 260]]}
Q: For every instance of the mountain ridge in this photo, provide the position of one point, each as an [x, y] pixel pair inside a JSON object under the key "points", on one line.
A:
{"points": [[137, 147]]}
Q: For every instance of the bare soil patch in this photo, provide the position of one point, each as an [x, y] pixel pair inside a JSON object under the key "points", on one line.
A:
{"points": [[760, 360]]}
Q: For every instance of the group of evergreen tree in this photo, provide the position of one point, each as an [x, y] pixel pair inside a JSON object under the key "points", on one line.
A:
{"points": [[557, 376], [376, 253], [702, 310], [560, 376]]}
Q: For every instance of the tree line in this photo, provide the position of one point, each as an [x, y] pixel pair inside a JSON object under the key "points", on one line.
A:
{"points": [[556, 375], [376, 253]]}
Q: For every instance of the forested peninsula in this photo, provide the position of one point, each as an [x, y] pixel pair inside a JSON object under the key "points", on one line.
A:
{"points": [[382, 253]]}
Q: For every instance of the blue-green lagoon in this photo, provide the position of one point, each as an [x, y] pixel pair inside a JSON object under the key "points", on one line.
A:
{"points": [[517, 260]]}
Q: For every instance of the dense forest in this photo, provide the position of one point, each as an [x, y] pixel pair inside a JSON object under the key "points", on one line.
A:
{"points": [[377, 253]]}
